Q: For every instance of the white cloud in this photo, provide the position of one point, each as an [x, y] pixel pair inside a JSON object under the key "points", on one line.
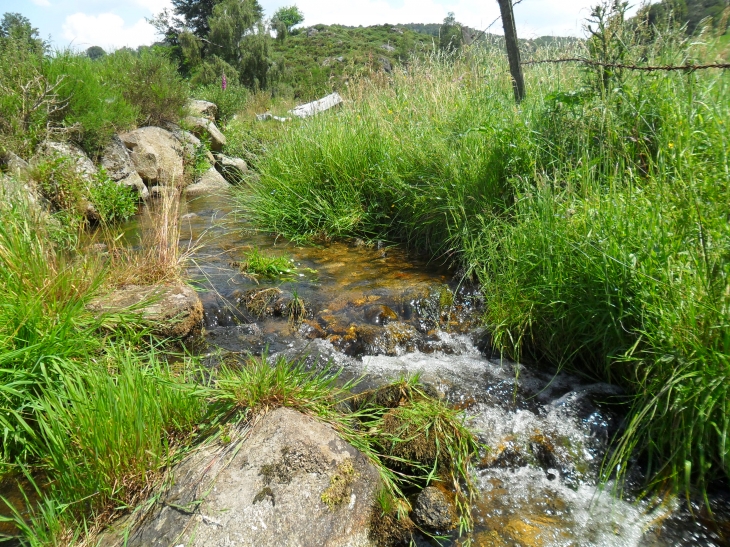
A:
{"points": [[43, 3], [155, 6], [107, 30]]}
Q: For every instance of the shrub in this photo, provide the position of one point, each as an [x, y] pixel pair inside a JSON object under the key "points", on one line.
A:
{"points": [[148, 81], [229, 101], [95, 109]]}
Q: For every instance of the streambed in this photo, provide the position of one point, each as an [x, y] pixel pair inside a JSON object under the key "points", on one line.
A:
{"points": [[378, 312]]}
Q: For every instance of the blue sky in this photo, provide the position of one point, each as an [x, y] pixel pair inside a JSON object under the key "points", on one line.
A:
{"points": [[117, 23]]}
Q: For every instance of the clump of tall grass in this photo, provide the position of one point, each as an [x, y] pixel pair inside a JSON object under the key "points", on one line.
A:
{"points": [[594, 218], [412, 439]]}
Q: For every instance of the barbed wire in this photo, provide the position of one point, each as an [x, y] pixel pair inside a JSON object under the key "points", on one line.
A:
{"points": [[666, 68]]}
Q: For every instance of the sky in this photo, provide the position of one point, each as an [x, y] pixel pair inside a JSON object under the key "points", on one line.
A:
{"points": [[113, 24]]}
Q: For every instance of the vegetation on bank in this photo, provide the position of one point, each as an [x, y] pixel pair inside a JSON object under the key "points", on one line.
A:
{"points": [[594, 216]]}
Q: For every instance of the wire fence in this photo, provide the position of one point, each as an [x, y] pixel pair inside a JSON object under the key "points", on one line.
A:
{"points": [[666, 68]]}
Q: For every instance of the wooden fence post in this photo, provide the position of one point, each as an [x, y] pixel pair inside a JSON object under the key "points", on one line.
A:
{"points": [[513, 49]]}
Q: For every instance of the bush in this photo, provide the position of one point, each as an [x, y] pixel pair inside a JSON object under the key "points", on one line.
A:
{"points": [[149, 81], [95, 109], [229, 101]]}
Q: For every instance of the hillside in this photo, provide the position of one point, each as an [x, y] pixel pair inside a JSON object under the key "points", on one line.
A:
{"points": [[322, 58]]}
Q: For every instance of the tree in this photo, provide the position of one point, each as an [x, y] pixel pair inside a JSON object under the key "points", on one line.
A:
{"points": [[95, 52], [513, 48], [15, 27], [450, 36], [284, 19], [195, 14]]}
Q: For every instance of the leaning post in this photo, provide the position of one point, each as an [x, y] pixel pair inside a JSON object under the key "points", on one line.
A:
{"points": [[513, 49]]}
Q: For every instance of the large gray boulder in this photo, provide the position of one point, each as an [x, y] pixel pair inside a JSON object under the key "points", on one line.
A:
{"points": [[174, 310], [291, 481], [80, 161], [190, 142], [204, 127], [156, 154], [119, 167], [232, 169], [211, 182], [202, 109], [14, 165]]}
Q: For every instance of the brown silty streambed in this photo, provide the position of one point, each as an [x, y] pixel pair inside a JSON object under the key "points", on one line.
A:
{"points": [[378, 313]]}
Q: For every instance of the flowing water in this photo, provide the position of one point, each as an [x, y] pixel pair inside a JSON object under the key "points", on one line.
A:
{"points": [[376, 311]]}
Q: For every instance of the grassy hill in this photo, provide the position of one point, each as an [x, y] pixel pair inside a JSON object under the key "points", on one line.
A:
{"points": [[317, 60], [323, 58]]}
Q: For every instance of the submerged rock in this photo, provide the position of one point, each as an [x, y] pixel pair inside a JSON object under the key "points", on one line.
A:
{"points": [[433, 509], [174, 310], [290, 481]]}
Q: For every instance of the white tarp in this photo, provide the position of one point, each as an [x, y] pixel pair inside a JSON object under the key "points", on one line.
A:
{"points": [[310, 109]]}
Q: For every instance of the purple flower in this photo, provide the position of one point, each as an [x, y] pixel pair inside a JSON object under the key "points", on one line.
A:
{"points": [[224, 82]]}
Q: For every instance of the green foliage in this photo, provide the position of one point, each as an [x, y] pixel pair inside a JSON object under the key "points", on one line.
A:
{"points": [[450, 37], [113, 202], [229, 101], [310, 66], [95, 52], [69, 193], [257, 263], [87, 101], [94, 110], [150, 83], [284, 19], [688, 12], [595, 222]]}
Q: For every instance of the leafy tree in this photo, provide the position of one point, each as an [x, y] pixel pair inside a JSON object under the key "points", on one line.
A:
{"points": [[450, 37], [285, 19], [195, 14], [17, 28], [95, 52]]}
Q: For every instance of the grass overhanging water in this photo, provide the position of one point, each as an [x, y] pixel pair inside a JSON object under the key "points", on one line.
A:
{"points": [[595, 219]]}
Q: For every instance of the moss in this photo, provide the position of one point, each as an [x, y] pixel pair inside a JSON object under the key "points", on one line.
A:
{"points": [[339, 489]]}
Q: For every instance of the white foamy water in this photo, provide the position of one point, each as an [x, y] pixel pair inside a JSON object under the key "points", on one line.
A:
{"points": [[538, 481]]}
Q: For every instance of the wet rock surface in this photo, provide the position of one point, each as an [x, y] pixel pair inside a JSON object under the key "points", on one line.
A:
{"points": [[378, 314], [271, 488], [433, 509]]}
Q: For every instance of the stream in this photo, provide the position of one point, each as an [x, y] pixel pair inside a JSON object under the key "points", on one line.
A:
{"points": [[378, 313]]}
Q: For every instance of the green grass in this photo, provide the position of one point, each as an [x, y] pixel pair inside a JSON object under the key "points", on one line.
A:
{"points": [[412, 439], [257, 263], [595, 223]]}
